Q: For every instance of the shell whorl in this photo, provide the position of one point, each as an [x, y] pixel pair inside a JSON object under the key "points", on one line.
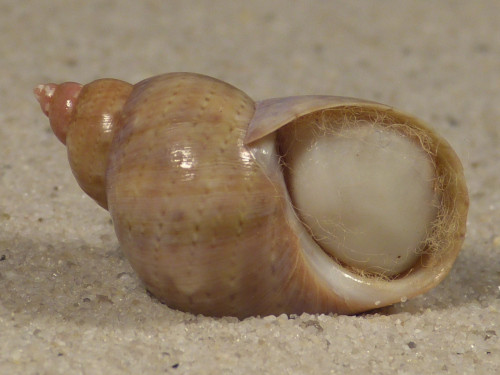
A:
{"points": [[96, 120], [201, 223]]}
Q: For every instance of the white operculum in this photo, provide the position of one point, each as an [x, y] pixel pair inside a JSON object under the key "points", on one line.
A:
{"points": [[365, 192]]}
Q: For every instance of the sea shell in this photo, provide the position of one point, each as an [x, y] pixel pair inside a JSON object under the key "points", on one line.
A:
{"points": [[226, 206]]}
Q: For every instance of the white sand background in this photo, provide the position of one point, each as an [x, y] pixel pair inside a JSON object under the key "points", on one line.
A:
{"points": [[69, 301]]}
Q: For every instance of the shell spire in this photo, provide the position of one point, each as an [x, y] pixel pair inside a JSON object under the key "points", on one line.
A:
{"points": [[58, 102]]}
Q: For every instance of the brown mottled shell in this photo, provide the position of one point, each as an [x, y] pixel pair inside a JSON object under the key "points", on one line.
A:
{"points": [[191, 173]]}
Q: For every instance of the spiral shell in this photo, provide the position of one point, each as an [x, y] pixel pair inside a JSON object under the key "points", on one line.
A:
{"points": [[224, 206]]}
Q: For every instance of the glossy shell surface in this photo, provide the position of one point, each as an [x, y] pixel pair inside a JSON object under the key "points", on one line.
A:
{"points": [[194, 175]]}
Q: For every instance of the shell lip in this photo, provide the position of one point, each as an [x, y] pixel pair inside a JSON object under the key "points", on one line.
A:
{"points": [[358, 291], [272, 114]]}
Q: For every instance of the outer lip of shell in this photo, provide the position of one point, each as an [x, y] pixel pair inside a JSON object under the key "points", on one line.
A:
{"points": [[272, 114], [358, 292]]}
